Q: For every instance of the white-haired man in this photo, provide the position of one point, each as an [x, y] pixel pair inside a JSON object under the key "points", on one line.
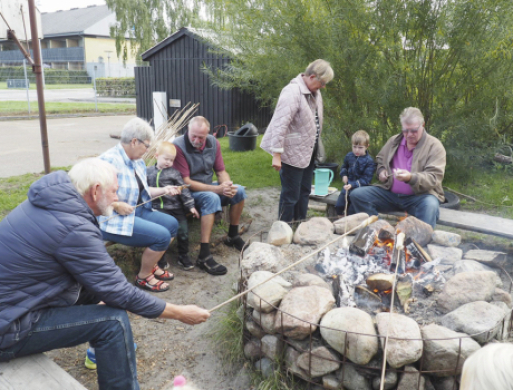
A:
{"points": [[410, 168], [198, 156], [55, 269]]}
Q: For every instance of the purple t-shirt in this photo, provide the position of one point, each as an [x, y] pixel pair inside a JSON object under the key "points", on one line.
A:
{"points": [[403, 159]]}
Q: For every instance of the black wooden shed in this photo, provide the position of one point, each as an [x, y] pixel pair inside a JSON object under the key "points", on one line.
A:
{"points": [[176, 68]]}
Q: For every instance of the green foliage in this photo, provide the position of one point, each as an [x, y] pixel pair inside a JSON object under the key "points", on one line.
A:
{"points": [[52, 76], [116, 86], [452, 59], [147, 22]]}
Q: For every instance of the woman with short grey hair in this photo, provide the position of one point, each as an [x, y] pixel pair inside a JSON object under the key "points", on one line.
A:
{"points": [[139, 226], [292, 137]]}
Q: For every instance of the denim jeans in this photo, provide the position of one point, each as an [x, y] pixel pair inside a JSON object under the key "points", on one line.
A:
{"points": [[296, 186], [373, 200], [107, 330], [209, 203], [152, 229]]}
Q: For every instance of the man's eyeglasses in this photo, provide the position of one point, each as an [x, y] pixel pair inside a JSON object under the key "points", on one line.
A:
{"points": [[411, 131], [147, 146]]}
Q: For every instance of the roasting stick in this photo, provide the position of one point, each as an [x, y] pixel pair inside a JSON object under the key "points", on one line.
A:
{"points": [[367, 222], [148, 201], [399, 244]]}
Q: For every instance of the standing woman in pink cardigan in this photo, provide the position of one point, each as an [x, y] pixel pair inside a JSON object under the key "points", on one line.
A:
{"points": [[292, 138]]}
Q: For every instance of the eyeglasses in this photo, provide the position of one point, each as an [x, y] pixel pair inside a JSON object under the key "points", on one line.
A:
{"points": [[411, 131], [323, 83], [147, 146]]}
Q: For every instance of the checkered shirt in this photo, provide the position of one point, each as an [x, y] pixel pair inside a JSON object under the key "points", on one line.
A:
{"points": [[128, 190]]}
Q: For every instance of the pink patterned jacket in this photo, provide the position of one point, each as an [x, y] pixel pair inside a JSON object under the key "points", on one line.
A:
{"points": [[292, 131]]}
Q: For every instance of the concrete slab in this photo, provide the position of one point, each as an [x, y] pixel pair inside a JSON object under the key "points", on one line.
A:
{"points": [[70, 139]]}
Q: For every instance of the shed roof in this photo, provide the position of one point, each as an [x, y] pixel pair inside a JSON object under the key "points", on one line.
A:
{"points": [[77, 21], [205, 36]]}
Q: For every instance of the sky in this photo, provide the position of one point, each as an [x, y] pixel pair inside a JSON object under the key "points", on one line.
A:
{"points": [[56, 5]]}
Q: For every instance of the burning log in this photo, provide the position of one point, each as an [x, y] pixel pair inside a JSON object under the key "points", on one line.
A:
{"points": [[367, 237], [416, 250]]}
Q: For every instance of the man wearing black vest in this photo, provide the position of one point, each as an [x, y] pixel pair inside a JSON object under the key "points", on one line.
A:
{"points": [[198, 156]]}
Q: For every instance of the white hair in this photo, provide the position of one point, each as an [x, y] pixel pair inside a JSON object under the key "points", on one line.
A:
{"points": [[91, 171], [411, 115], [489, 368], [136, 128]]}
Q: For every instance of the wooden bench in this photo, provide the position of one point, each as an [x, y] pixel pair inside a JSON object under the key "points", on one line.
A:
{"points": [[36, 372], [480, 223]]}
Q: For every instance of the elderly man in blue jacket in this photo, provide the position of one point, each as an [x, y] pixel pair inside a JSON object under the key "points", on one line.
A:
{"points": [[54, 269]]}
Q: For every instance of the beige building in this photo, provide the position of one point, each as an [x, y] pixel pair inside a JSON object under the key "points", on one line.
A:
{"points": [[76, 39]]}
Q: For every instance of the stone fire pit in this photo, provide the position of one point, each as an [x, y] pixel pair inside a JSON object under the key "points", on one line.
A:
{"points": [[326, 321]]}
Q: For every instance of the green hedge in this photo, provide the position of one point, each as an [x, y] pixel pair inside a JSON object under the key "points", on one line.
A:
{"points": [[52, 76], [121, 86]]}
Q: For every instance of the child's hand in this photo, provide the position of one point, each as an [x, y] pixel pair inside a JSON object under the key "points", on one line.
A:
{"points": [[344, 179], [194, 212], [347, 187], [172, 190]]}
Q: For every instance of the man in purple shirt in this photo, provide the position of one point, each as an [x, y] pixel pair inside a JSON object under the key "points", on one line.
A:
{"points": [[410, 170]]}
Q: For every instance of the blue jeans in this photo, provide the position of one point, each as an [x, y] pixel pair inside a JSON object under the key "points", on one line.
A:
{"points": [[107, 329], [340, 206], [373, 200], [152, 229], [296, 186], [209, 203]]}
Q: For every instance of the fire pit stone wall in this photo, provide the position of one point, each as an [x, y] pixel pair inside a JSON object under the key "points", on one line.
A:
{"points": [[293, 318]]}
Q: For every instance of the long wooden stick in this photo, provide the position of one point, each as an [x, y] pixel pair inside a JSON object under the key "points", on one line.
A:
{"points": [[367, 222], [399, 244]]}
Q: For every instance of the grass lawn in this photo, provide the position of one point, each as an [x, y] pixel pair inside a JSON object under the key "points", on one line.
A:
{"points": [[20, 108], [253, 170], [3, 85]]}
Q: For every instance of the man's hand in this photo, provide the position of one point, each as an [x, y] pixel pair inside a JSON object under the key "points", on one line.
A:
{"points": [[123, 208], [194, 212], [172, 190], [229, 189], [347, 187], [277, 161], [383, 176], [402, 175], [345, 179], [192, 315]]}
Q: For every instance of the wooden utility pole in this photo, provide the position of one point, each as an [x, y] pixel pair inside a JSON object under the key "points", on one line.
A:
{"points": [[36, 68]]}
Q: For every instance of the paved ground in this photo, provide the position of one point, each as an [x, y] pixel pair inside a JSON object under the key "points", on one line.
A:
{"points": [[70, 139], [60, 95]]}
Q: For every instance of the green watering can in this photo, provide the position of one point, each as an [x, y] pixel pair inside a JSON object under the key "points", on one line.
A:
{"points": [[323, 178]]}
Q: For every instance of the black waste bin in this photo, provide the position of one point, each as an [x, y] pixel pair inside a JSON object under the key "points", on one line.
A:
{"points": [[243, 139]]}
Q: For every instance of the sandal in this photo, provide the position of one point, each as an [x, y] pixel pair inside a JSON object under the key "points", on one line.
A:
{"points": [[211, 266], [145, 285], [163, 276]]}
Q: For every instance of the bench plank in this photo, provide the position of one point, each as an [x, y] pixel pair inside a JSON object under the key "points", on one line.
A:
{"points": [[480, 223], [36, 372]]}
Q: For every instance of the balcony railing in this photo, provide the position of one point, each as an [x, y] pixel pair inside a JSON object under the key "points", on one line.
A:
{"points": [[65, 54]]}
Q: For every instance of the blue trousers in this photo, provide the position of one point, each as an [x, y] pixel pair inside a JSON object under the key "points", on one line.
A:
{"points": [[152, 229], [373, 200], [209, 202], [107, 330], [296, 186]]}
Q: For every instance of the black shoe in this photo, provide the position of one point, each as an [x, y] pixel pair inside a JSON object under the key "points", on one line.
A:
{"points": [[162, 263], [185, 262], [211, 266], [237, 242]]}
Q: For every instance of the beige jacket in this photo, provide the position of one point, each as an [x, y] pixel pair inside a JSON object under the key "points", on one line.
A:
{"points": [[292, 131], [428, 166]]}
